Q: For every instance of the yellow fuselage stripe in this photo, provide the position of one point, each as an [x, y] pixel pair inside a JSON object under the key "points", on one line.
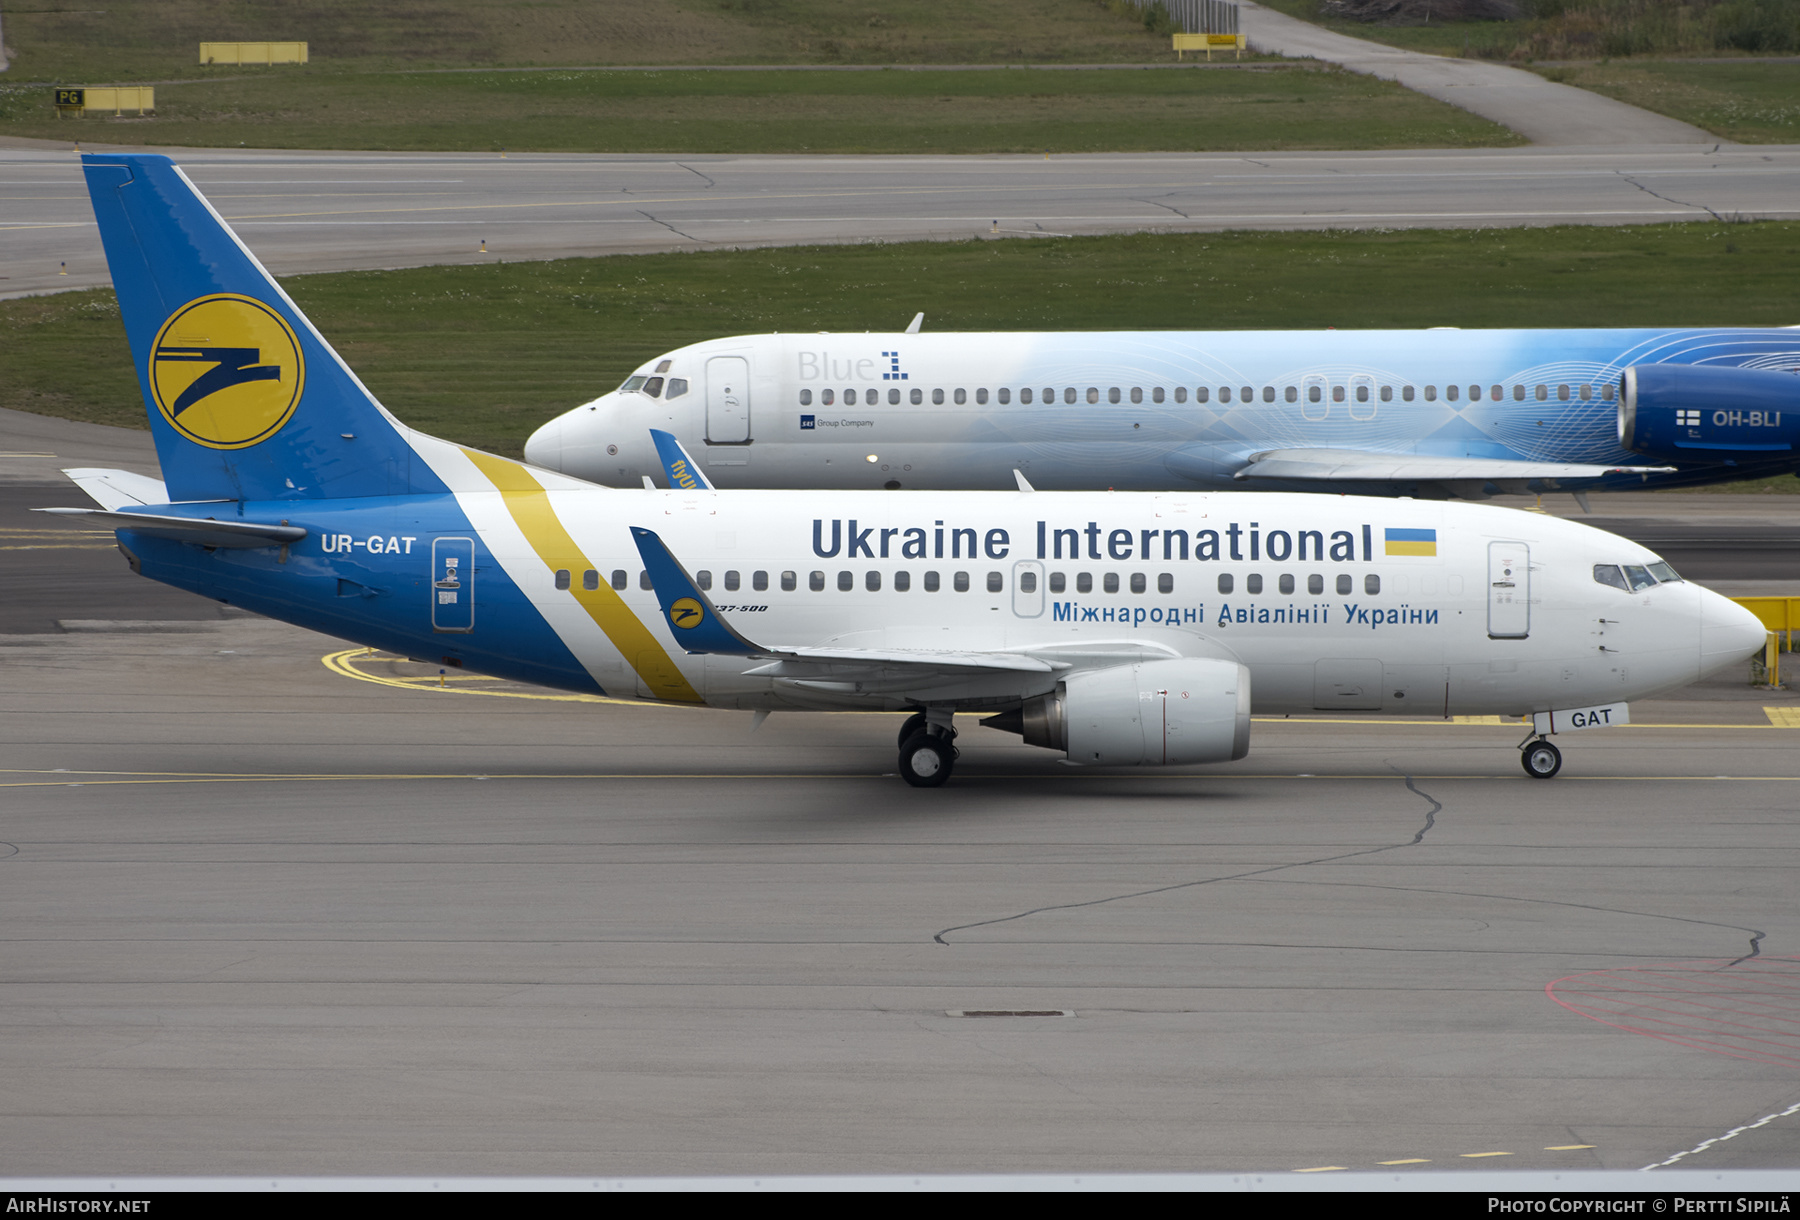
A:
{"points": [[529, 504], [1412, 548]]}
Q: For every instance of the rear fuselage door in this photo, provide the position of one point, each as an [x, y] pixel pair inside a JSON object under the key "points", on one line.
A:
{"points": [[727, 400], [1509, 590]]}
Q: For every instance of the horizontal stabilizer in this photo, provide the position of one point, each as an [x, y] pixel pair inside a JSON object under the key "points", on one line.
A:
{"points": [[119, 488], [199, 531], [1358, 466]]}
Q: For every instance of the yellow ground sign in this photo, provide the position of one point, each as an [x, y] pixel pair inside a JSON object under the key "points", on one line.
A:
{"points": [[253, 53], [81, 100]]}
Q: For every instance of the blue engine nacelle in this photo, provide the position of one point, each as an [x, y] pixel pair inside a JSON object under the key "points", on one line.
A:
{"points": [[1709, 413]]}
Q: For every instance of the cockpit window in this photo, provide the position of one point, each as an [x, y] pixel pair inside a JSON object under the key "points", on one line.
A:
{"points": [[633, 385], [1609, 574], [1639, 577], [653, 387], [677, 387], [1663, 572]]}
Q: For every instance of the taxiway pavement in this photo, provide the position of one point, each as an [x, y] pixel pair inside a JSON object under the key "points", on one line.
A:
{"points": [[330, 211], [264, 914]]}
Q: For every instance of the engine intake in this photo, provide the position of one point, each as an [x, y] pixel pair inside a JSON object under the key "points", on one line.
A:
{"points": [[1153, 714], [1704, 412]]}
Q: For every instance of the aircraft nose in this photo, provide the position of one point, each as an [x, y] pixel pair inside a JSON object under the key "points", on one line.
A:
{"points": [[1728, 632], [545, 446]]}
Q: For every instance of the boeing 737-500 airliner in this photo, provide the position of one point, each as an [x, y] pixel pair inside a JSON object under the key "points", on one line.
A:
{"points": [[1127, 629], [1434, 414]]}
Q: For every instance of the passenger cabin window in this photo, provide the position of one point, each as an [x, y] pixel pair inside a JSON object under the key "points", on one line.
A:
{"points": [[1286, 583], [703, 578], [981, 397], [1292, 394], [1025, 395], [759, 581], [590, 579], [731, 582], [1004, 394], [961, 396], [1084, 582], [937, 398], [825, 398], [1137, 582], [994, 582], [1110, 582], [816, 581], [902, 582], [1315, 584], [1181, 394], [619, 578], [789, 582], [1371, 584], [917, 397], [893, 398], [1058, 583], [1343, 585], [931, 582], [960, 582], [1253, 583], [562, 578], [644, 581], [1165, 583], [806, 398], [1406, 393], [846, 581], [850, 398], [1224, 582], [872, 581], [1027, 582]]}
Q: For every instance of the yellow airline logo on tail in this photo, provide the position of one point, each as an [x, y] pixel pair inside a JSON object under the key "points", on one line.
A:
{"points": [[686, 613], [226, 371]]}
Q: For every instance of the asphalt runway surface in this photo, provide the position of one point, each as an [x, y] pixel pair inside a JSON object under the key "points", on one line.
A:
{"points": [[277, 906], [331, 211]]}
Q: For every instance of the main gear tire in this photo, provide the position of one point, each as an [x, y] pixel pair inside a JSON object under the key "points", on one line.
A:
{"points": [[1541, 760], [926, 760]]}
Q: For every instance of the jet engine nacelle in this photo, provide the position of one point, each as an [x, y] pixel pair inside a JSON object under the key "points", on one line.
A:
{"points": [[1703, 412], [1152, 714]]}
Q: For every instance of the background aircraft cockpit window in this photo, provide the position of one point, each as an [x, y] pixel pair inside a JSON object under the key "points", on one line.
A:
{"points": [[1138, 584], [677, 387], [1224, 582], [1371, 584], [590, 579], [806, 398], [981, 396], [1639, 577], [994, 583], [1286, 583], [1093, 394], [937, 398], [619, 578], [562, 578], [1165, 583], [1253, 583], [1027, 582], [1058, 582], [961, 397], [759, 581], [825, 398], [644, 581], [653, 387], [902, 581], [931, 582], [1084, 582], [846, 581], [732, 581], [632, 385], [918, 396], [872, 581], [1110, 582], [789, 582], [1343, 584], [1663, 572], [816, 582], [961, 582], [1315, 584], [703, 578], [1609, 574]]}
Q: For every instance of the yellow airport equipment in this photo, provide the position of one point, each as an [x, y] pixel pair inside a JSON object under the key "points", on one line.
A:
{"points": [[117, 100], [1207, 42], [253, 53], [1781, 615]]}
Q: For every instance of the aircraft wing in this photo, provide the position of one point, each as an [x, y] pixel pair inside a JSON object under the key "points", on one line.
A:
{"points": [[698, 627], [1360, 466]]}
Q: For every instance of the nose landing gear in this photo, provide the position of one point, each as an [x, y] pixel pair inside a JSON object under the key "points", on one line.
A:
{"points": [[927, 748], [1540, 759]]}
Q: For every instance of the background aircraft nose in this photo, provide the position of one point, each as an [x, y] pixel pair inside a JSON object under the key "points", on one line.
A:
{"points": [[1728, 632], [545, 446]]}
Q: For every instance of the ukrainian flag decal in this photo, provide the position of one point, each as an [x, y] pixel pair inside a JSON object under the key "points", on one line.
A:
{"points": [[1412, 542]]}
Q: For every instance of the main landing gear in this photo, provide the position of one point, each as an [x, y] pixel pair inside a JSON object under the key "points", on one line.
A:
{"points": [[1541, 759], [927, 748]]}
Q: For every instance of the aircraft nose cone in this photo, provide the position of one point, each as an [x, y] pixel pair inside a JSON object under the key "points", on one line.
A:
{"points": [[1728, 633], [545, 446]]}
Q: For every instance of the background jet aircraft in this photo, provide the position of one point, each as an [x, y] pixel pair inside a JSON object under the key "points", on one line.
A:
{"points": [[1435, 413], [1115, 629]]}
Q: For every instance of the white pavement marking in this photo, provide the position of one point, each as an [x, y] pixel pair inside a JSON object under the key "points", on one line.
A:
{"points": [[1703, 1145], [1540, 110]]}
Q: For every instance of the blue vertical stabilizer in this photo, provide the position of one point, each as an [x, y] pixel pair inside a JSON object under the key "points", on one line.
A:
{"points": [[246, 400]]}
